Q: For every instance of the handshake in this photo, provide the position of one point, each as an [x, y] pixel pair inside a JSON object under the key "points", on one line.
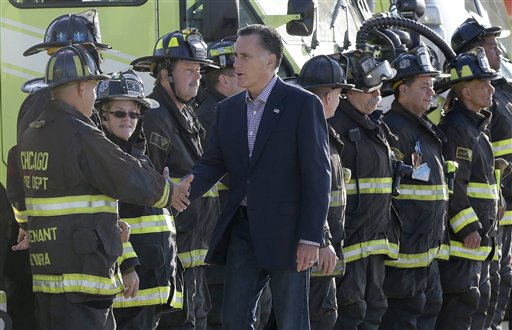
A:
{"points": [[180, 191]]}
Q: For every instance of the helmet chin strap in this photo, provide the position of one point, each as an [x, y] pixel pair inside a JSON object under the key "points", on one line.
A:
{"points": [[173, 87]]}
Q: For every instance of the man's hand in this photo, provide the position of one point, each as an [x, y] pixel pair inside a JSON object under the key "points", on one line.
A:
{"points": [[124, 231], [472, 241], [22, 241], [327, 259], [307, 256], [131, 284], [180, 194]]}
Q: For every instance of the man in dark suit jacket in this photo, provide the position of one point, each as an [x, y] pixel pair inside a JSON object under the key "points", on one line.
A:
{"points": [[272, 140]]}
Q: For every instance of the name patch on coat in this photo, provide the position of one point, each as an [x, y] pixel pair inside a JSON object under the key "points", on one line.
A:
{"points": [[463, 153], [159, 141]]}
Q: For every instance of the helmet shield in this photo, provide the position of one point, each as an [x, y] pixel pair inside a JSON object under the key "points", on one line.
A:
{"points": [[416, 62], [124, 86], [222, 53], [82, 28], [469, 66], [365, 71]]}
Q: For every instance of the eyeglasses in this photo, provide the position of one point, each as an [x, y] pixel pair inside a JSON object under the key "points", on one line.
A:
{"points": [[122, 114]]}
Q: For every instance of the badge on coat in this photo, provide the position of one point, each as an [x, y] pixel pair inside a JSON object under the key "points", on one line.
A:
{"points": [[464, 153], [159, 141], [420, 170]]}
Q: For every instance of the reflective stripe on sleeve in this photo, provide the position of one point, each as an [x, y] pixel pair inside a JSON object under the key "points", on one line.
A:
{"points": [[151, 224], [221, 186], [369, 186], [507, 219], [82, 283], [20, 216], [482, 190], [145, 297], [213, 192], [81, 204], [3, 301], [128, 252], [503, 147], [338, 198], [166, 195], [193, 258], [177, 300], [462, 219], [423, 192]]}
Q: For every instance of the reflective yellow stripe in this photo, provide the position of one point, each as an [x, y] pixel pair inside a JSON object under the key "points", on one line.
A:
{"points": [[3, 301], [457, 249], [221, 186], [177, 300], [507, 219], [55, 206], [213, 192], [423, 192], [406, 260], [444, 252], [369, 186], [82, 283], [156, 223], [166, 195], [482, 190], [462, 219], [193, 258], [146, 297], [364, 249], [503, 147], [338, 198], [128, 253], [20, 216]]}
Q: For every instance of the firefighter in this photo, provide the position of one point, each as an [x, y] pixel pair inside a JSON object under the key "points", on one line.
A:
{"points": [[472, 211], [412, 282], [174, 140], [470, 34], [66, 29], [324, 77], [368, 225], [64, 179], [148, 262]]}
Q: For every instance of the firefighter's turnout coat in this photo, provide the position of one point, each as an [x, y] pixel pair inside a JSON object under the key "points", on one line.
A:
{"points": [[174, 141], [369, 229], [422, 203], [64, 181], [473, 205]]}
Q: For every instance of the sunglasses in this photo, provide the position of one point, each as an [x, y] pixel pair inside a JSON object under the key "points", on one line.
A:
{"points": [[122, 114]]}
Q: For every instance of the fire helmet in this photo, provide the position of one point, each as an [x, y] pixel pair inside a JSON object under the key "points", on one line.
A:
{"points": [[416, 62], [322, 71], [470, 65], [364, 71], [470, 32]]}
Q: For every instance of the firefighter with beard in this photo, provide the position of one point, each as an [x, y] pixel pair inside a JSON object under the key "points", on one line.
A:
{"points": [[412, 282], [470, 34], [148, 264], [174, 140], [324, 77], [369, 229], [472, 208]]}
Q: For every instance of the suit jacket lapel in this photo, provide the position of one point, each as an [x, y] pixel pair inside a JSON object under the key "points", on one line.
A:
{"points": [[270, 116], [240, 127]]}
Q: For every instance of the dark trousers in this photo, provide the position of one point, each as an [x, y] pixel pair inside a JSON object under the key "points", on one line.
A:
{"points": [[460, 280], [323, 310], [245, 280], [56, 312], [484, 286], [134, 318], [414, 297], [501, 280], [361, 301]]}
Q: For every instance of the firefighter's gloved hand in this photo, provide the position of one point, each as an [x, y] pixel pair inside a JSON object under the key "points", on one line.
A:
{"points": [[22, 241], [327, 259], [131, 284], [180, 192], [124, 231], [472, 241]]}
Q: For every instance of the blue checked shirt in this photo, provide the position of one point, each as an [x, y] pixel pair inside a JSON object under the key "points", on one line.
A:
{"points": [[255, 111]]}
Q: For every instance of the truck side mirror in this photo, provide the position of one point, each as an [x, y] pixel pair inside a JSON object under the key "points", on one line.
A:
{"points": [[304, 26]]}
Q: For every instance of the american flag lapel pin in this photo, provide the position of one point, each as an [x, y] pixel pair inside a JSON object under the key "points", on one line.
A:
{"points": [[276, 110]]}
